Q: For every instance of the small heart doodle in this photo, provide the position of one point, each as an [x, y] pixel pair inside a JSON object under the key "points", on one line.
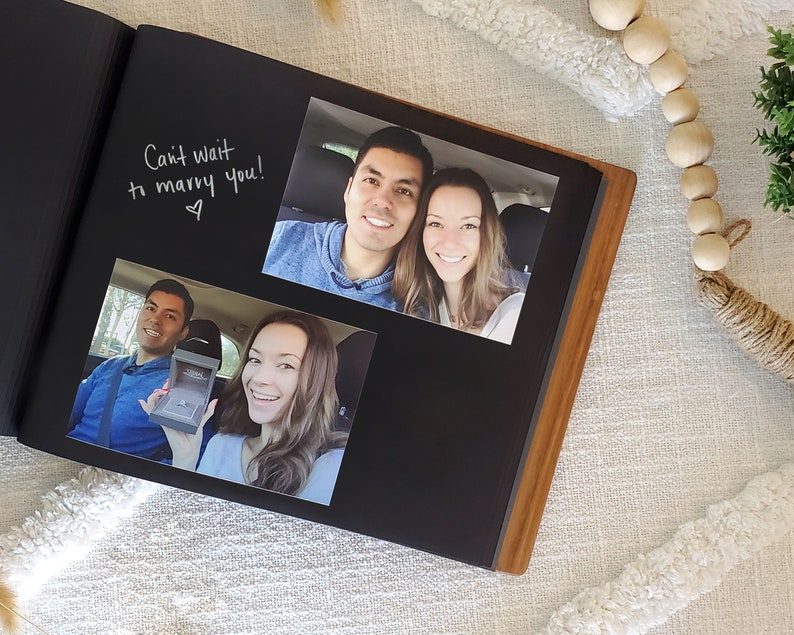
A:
{"points": [[195, 208]]}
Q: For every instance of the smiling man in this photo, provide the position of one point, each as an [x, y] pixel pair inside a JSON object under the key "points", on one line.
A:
{"points": [[106, 410], [356, 258]]}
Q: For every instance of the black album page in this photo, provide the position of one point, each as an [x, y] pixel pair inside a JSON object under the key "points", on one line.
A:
{"points": [[60, 65], [191, 182]]}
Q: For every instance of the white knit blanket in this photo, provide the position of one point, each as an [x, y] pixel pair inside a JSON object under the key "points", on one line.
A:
{"points": [[83, 510], [593, 66], [671, 423]]}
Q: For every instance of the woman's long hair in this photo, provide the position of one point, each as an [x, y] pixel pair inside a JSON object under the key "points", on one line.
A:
{"points": [[416, 284], [304, 429]]}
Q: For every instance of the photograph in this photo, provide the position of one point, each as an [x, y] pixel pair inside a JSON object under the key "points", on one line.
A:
{"points": [[409, 222], [215, 382]]}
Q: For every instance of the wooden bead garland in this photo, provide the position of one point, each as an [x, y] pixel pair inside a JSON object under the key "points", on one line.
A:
{"points": [[668, 72], [689, 143], [699, 181], [680, 105], [646, 39], [764, 334], [711, 252], [615, 15], [704, 216]]}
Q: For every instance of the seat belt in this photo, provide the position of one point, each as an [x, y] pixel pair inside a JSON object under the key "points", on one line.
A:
{"points": [[103, 435]]}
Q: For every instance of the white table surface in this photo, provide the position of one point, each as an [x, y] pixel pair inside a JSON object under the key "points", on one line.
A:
{"points": [[670, 416]]}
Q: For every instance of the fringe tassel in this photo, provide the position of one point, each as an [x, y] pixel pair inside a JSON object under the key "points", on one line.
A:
{"points": [[765, 335], [10, 618]]}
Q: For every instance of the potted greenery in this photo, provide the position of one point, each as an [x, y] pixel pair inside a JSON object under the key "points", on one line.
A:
{"points": [[776, 100]]}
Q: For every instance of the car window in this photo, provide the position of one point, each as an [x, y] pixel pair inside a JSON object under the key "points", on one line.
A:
{"points": [[341, 148], [231, 357], [115, 329]]}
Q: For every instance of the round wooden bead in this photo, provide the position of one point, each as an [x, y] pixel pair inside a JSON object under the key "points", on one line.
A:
{"points": [[646, 39], [679, 105], [699, 181], [711, 252], [616, 15], [704, 216], [689, 143], [668, 72]]}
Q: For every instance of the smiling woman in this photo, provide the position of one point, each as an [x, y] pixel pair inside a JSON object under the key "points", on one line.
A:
{"points": [[276, 421], [453, 267]]}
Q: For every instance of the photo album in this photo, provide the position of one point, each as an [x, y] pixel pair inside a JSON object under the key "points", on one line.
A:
{"points": [[240, 278]]}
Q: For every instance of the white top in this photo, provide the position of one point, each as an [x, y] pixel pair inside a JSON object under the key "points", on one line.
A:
{"points": [[223, 458], [502, 323]]}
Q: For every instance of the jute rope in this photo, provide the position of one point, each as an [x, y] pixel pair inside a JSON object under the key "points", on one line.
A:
{"points": [[763, 333]]}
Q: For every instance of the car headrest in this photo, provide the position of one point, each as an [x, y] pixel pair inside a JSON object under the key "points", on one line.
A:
{"points": [[354, 353], [523, 226], [203, 337], [317, 182]]}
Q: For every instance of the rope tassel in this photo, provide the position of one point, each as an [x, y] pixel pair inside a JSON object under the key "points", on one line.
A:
{"points": [[764, 334]]}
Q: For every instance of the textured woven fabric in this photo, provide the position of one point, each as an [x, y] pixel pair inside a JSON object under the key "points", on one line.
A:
{"points": [[670, 417]]}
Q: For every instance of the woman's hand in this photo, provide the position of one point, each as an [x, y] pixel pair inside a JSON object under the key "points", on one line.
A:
{"points": [[185, 447]]}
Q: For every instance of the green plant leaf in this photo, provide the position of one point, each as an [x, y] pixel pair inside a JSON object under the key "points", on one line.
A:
{"points": [[776, 100]]}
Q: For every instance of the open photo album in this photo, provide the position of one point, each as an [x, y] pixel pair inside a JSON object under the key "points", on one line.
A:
{"points": [[241, 278]]}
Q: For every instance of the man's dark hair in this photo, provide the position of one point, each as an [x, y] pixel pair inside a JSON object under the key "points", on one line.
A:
{"points": [[399, 140], [172, 287]]}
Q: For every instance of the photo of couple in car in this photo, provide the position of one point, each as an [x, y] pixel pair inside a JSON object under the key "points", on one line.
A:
{"points": [[280, 422], [429, 243]]}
